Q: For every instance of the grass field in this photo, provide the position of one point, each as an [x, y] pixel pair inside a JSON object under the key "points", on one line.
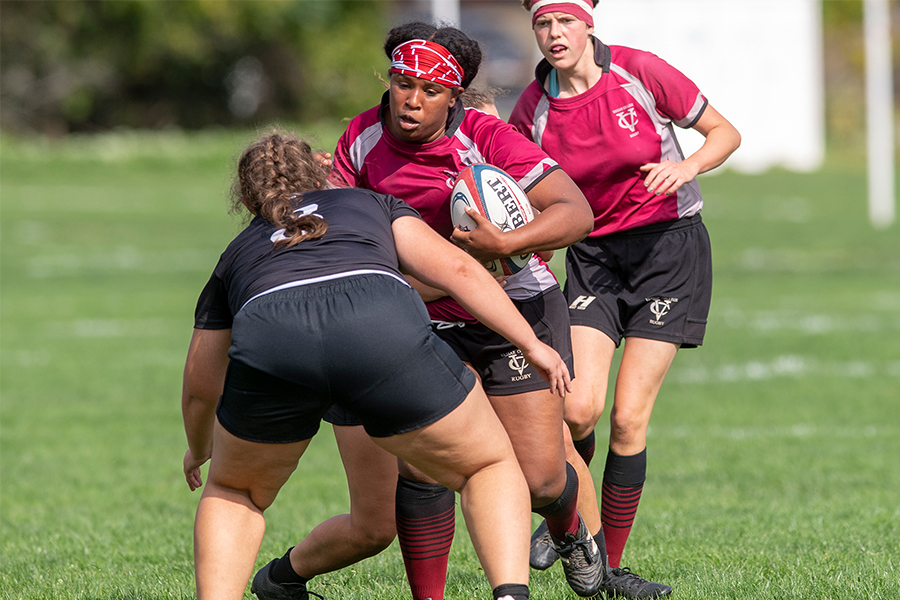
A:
{"points": [[774, 449]]}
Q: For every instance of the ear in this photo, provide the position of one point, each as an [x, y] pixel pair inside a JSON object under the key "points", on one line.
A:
{"points": [[455, 93]]}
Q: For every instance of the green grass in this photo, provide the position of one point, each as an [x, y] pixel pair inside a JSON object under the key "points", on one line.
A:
{"points": [[773, 449]]}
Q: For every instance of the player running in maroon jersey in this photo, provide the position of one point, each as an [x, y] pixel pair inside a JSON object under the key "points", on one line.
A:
{"points": [[644, 274]]}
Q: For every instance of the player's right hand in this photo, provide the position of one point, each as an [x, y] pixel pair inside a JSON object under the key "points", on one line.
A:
{"points": [[551, 367]]}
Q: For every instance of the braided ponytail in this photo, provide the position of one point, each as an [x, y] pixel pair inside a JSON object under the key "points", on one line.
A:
{"points": [[273, 173]]}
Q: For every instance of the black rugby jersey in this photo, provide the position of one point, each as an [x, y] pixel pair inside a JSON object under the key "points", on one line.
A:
{"points": [[359, 237]]}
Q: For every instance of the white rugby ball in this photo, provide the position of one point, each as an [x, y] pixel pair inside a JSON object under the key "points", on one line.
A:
{"points": [[499, 199]]}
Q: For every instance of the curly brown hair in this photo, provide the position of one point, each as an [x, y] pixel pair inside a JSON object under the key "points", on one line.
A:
{"points": [[272, 174]]}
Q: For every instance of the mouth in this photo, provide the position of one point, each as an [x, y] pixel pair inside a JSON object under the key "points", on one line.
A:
{"points": [[557, 50], [407, 122]]}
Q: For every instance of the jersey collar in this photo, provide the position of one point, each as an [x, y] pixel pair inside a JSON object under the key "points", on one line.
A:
{"points": [[602, 56]]}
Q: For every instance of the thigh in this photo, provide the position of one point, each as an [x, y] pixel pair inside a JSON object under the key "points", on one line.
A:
{"points": [[533, 421], [450, 450], [371, 475], [259, 469], [593, 352], [645, 364]]}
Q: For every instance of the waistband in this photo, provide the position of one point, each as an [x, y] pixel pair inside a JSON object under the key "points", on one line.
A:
{"points": [[652, 229], [314, 286]]}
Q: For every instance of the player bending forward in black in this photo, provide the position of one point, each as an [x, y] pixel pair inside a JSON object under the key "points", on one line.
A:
{"points": [[318, 273]]}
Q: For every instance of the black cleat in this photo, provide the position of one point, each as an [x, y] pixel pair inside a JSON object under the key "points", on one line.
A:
{"points": [[583, 565], [266, 589], [623, 583], [543, 554]]}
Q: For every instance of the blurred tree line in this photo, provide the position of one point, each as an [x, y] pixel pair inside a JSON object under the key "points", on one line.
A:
{"points": [[91, 65], [69, 65]]}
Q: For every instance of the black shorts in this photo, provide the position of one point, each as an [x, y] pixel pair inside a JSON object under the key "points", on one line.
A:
{"points": [[363, 343], [651, 282], [499, 363]]}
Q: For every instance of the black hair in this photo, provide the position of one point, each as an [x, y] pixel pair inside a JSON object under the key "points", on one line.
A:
{"points": [[464, 49]]}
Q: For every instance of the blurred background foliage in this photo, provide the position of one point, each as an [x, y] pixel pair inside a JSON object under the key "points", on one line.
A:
{"points": [[90, 66], [84, 66]]}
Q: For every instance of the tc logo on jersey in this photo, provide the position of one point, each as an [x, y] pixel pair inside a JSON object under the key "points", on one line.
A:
{"points": [[517, 363], [582, 302], [660, 307], [627, 118]]}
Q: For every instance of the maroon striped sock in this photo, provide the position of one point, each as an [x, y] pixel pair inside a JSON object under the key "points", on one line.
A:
{"points": [[623, 482], [426, 520]]}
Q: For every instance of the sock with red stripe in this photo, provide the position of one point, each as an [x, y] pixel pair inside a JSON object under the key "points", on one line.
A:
{"points": [[623, 482], [426, 519], [560, 514], [585, 447]]}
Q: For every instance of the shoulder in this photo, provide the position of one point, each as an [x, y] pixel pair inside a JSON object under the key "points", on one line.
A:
{"points": [[362, 121], [523, 112], [643, 65]]}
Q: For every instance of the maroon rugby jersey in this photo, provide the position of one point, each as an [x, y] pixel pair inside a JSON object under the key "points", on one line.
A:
{"points": [[601, 137], [370, 157]]}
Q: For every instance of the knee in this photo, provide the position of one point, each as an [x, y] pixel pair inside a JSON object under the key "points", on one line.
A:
{"points": [[374, 540], [627, 426], [374, 535], [558, 496], [582, 413], [582, 418]]}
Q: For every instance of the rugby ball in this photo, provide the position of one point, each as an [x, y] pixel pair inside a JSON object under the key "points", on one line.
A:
{"points": [[499, 199]]}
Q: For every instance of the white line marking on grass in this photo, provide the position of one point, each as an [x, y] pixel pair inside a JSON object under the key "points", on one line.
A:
{"points": [[810, 323], [793, 366], [121, 259], [110, 328], [796, 431]]}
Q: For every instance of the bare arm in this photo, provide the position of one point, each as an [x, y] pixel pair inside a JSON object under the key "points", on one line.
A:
{"points": [[565, 217], [436, 262], [204, 379], [721, 140]]}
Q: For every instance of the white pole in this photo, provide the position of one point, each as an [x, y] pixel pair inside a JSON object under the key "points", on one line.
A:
{"points": [[445, 11], [879, 113]]}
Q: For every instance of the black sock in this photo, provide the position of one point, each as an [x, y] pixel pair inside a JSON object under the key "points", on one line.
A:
{"points": [[585, 447], [516, 591], [283, 572]]}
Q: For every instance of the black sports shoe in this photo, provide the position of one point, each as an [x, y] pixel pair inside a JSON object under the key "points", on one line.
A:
{"points": [[623, 583], [583, 565], [543, 554], [266, 589]]}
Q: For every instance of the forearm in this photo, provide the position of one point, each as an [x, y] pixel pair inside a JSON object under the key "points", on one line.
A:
{"points": [[199, 416], [477, 291], [721, 140], [559, 226], [720, 143], [427, 292], [203, 383]]}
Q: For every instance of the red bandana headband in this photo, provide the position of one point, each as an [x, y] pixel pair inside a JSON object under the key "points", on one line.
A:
{"points": [[580, 9], [426, 60]]}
